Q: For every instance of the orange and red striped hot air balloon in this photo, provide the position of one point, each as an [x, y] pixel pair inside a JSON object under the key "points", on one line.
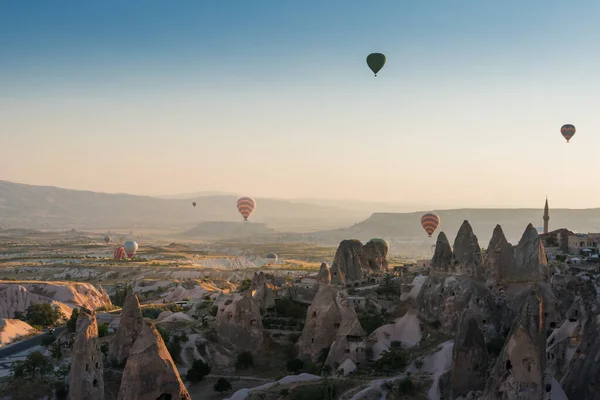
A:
{"points": [[430, 222], [245, 206], [119, 253]]}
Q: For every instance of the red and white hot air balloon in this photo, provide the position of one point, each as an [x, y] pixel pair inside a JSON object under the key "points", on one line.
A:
{"points": [[245, 206]]}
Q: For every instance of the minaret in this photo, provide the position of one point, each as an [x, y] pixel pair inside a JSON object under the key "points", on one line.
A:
{"points": [[546, 216]]}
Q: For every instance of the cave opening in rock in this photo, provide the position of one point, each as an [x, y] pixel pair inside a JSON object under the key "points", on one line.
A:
{"points": [[508, 365]]}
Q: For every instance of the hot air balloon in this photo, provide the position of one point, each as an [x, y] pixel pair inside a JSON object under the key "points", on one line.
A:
{"points": [[430, 223], [107, 239], [272, 257], [119, 253], [567, 131], [387, 245], [375, 61], [194, 204], [130, 248], [245, 206]]}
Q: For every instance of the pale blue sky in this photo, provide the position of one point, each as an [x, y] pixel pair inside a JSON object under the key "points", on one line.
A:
{"points": [[274, 98]]}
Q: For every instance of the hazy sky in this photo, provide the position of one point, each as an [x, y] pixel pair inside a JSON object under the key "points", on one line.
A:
{"points": [[274, 98]]}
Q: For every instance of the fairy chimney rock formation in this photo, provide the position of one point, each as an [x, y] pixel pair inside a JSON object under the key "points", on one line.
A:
{"points": [[239, 324], [349, 262], [530, 264], [324, 275], [499, 257], [442, 257], [469, 356], [150, 372], [376, 255], [86, 377], [350, 338], [322, 322], [467, 259], [519, 372], [130, 327]]}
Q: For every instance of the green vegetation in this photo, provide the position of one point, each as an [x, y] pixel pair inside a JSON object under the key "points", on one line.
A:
{"points": [[244, 360], [326, 390], [290, 309], [48, 340], [222, 385], [371, 321], [394, 360], [102, 330], [120, 293], [44, 315], [154, 311], [35, 364], [198, 371], [295, 365]]}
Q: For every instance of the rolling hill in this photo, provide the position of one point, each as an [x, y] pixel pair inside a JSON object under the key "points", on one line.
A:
{"points": [[45, 207]]}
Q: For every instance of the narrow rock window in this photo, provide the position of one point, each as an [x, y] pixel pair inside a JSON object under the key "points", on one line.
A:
{"points": [[312, 340], [335, 326], [97, 365], [164, 396], [95, 383], [253, 322], [508, 365], [314, 314], [87, 367]]}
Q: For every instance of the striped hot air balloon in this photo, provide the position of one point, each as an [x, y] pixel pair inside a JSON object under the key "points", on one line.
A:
{"points": [[430, 222], [245, 206], [119, 253], [567, 131]]}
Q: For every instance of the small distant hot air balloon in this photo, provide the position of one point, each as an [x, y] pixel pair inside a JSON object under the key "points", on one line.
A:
{"points": [[387, 245], [194, 204], [107, 239], [245, 206], [119, 253], [375, 61], [567, 131], [272, 257], [130, 248], [430, 222]]}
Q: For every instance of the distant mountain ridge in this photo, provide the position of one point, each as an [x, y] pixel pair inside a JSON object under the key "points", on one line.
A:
{"points": [[46, 207]]}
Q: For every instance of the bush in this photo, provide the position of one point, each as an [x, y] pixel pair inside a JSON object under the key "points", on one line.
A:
{"points": [[244, 360], [494, 347], [102, 330], [371, 322], [198, 371], [290, 309], [222, 385], [295, 365], [42, 314], [151, 312], [396, 359], [419, 363], [406, 386]]}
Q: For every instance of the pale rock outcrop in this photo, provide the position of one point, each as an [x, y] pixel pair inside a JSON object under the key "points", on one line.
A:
{"points": [[499, 257], [531, 264], [322, 322], [376, 255], [469, 356], [258, 280], [11, 329], [349, 263], [583, 373], [130, 326], [467, 259], [86, 379], [444, 298], [442, 257], [239, 324], [17, 296], [265, 296], [150, 372], [519, 373], [324, 275], [350, 338]]}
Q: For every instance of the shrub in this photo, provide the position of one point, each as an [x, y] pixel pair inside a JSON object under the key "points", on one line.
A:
{"points": [[102, 330], [42, 314], [419, 363], [47, 340], [244, 360], [295, 365], [405, 386], [198, 371], [222, 385]]}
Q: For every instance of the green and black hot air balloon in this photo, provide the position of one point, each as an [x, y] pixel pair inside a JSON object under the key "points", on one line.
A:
{"points": [[376, 61]]}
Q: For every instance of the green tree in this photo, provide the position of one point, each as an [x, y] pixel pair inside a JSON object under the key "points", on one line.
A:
{"points": [[35, 363], [245, 285], [198, 371], [72, 322], [222, 385], [48, 340], [244, 360], [295, 365], [42, 314], [102, 330]]}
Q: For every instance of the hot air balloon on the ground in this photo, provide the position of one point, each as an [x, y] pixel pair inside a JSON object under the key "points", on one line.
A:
{"points": [[107, 239], [130, 248], [119, 253], [245, 206], [430, 222], [194, 204], [272, 258], [567, 131], [375, 61], [387, 245]]}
